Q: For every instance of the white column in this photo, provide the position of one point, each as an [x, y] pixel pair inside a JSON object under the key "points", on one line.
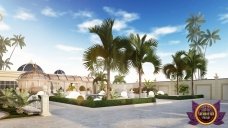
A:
{"points": [[45, 105]]}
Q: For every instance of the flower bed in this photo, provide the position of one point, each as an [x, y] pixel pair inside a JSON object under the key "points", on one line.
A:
{"points": [[184, 97], [103, 103]]}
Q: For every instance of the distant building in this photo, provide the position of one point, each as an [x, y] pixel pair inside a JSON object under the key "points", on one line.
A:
{"points": [[32, 77]]}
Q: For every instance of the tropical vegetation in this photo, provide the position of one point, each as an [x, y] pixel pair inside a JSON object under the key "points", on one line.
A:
{"points": [[109, 51], [176, 69], [194, 61], [142, 51], [14, 99], [119, 79], [16, 40]]}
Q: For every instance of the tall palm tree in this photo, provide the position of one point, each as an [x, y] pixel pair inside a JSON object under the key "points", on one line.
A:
{"points": [[4, 42], [210, 38], [119, 79], [193, 62], [195, 34], [110, 51], [1, 63], [143, 51], [175, 69], [195, 21], [18, 40]]}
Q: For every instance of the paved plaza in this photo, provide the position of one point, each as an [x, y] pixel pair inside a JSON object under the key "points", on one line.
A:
{"points": [[163, 114]]}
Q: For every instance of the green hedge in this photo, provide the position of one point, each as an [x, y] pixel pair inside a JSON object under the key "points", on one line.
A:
{"points": [[103, 103], [179, 97]]}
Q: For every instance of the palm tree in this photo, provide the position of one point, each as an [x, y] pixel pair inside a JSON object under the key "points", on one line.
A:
{"points": [[176, 69], [119, 79], [195, 21], [110, 51], [100, 78], [143, 51], [97, 67], [7, 64], [193, 62], [195, 34], [210, 38], [18, 40], [4, 42]]}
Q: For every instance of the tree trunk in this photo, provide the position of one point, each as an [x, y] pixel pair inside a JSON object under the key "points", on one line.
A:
{"points": [[177, 85], [140, 84], [108, 83], [192, 85], [11, 54]]}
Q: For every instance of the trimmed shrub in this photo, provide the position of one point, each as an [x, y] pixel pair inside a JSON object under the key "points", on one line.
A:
{"points": [[103, 103], [90, 98], [82, 88], [80, 100], [179, 97]]}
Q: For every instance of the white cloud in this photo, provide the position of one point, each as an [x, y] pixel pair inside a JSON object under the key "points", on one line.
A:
{"points": [[124, 15], [68, 48], [2, 11], [4, 26], [216, 56], [24, 14], [47, 11], [119, 25], [83, 27], [162, 31], [174, 42], [223, 18], [87, 14]]}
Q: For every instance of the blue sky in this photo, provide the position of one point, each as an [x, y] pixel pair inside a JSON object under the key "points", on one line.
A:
{"points": [[56, 32]]}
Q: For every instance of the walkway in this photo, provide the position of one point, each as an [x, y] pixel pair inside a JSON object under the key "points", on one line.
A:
{"points": [[162, 114]]}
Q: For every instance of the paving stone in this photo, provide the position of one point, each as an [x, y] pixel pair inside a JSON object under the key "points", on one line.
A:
{"points": [[163, 114]]}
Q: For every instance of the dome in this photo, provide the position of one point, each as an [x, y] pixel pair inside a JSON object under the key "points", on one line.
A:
{"points": [[59, 72], [34, 74], [29, 67]]}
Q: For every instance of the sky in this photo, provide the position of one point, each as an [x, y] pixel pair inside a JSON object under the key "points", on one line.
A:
{"points": [[56, 32]]}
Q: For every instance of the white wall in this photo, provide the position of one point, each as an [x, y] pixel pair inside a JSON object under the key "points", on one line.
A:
{"points": [[211, 88]]}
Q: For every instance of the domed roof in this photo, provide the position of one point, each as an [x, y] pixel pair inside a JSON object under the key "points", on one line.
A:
{"points": [[35, 73], [29, 67], [59, 72]]}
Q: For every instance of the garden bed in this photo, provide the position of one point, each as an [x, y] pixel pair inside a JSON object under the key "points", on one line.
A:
{"points": [[13, 114], [184, 97], [102, 103]]}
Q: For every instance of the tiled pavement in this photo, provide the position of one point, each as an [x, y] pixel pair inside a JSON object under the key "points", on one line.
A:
{"points": [[163, 114]]}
